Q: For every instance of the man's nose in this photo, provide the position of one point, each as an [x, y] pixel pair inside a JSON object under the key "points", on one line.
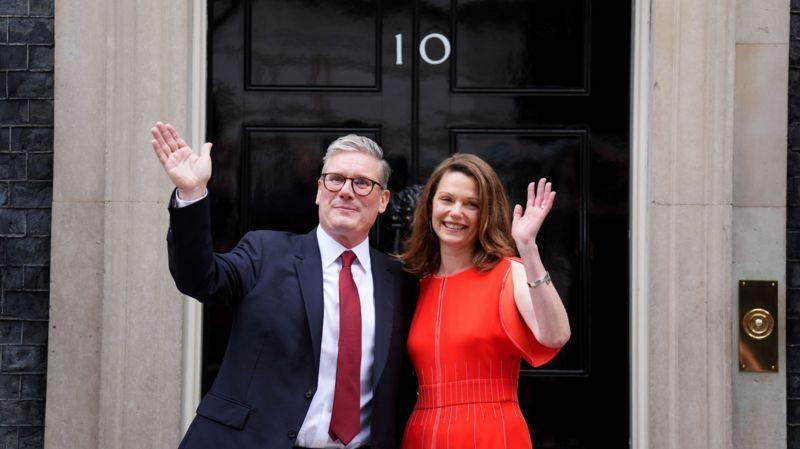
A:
{"points": [[345, 190]]}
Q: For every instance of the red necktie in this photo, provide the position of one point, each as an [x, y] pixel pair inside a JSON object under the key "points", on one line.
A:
{"points": [[346, 413]]}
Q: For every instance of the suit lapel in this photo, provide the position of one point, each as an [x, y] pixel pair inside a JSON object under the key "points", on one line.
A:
{"points": [[309, 273], [384, 312]]}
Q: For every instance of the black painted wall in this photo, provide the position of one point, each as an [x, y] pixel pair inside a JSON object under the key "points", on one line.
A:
{"points": [[793, 236], [26, 174]]}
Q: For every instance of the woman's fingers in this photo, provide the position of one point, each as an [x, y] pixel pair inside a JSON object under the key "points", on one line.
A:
{"points": [[540, 192], [536, 193], [544, 196], [540, 196], [517, 211], [531, 195]]}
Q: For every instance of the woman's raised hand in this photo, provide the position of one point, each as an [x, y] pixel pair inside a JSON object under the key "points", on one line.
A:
{"points": [[526, 223], [189, 172]]}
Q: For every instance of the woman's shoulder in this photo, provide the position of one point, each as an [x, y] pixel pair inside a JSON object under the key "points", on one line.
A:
{"points": [[508, 263]]}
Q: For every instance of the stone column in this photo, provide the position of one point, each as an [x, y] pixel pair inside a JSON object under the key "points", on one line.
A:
{"points": [[690, 224], [759, 204], [115, 367]]}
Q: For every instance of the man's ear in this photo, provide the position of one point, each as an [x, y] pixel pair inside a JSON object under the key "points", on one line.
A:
{"points": [[319, 192], [383, 201]]}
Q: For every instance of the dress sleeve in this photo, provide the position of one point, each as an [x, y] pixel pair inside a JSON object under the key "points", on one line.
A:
{"points": [[535, 353]]}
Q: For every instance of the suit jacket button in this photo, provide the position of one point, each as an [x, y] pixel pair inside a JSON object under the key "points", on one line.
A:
{"points": [[309, 394], [292, 433]]}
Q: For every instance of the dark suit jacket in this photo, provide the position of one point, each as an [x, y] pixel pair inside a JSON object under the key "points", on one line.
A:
{"points": [[273, 282]]}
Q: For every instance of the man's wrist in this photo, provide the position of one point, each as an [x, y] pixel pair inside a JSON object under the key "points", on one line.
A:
{"points": [[180, 202], [191, 194]]}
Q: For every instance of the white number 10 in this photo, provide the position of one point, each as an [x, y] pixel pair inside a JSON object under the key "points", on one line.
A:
{"points": [[423, 51]]}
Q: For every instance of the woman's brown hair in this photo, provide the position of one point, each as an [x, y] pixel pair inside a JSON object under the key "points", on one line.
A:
{"points": [[422, 256]]}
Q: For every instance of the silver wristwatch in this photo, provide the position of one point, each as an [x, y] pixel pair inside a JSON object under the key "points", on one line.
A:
{"points": [[544, 280]]}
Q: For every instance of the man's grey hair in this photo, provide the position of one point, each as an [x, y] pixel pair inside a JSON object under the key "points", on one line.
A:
{"points": [[360, 144]]}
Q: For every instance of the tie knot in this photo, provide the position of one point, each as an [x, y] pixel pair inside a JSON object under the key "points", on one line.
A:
{"points": [[347, 258]]}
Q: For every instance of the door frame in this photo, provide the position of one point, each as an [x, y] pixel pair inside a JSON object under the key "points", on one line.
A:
{"points": [[638, 224], [192, 348]]}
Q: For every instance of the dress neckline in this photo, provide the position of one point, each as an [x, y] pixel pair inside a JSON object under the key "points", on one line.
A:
{"points": [[457, 273]]}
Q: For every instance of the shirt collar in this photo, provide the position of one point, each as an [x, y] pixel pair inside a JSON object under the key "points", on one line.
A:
{"points": [[330, 250]]}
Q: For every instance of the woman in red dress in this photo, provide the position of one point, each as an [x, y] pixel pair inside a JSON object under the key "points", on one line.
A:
{"points": [[480, 310]]}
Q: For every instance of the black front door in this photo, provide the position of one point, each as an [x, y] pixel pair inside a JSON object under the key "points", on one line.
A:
{"points": [[536, 88]]}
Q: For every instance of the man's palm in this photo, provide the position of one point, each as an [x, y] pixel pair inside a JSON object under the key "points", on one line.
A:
{"points": [[187, 170]]}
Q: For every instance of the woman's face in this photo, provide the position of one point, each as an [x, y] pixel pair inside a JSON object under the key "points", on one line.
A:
{"points": [[456, 211]]}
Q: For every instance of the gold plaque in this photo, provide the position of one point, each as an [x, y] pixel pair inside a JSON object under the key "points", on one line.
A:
{"points": [[758, 338]]}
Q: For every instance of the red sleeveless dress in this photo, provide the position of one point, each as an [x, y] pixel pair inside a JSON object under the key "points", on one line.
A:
{"points": [[466, 342]]}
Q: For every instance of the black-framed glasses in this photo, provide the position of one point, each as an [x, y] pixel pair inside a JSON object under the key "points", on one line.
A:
{"points": [[361, 185]]}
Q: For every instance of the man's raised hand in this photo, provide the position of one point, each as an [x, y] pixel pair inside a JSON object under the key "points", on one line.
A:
{"points": [[189, 172]]}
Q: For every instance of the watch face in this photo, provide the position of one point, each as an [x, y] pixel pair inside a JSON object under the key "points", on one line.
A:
{"points": [[544, 280]]}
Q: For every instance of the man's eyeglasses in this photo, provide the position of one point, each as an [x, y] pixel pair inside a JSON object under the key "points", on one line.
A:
{"points": [[361, 186]]}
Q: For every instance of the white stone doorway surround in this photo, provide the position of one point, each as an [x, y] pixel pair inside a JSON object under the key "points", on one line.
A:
{"points": [[123, 366]]}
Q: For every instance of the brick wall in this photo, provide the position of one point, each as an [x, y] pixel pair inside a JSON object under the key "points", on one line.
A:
{"points": [[793, 236], [26, 174]]}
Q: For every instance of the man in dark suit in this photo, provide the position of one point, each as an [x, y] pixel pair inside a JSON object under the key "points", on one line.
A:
{"points": [[319, 320]]}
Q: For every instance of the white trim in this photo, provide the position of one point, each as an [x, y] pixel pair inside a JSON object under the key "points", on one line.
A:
{"points": [[192, 310], [639, 177], [192, 358]]}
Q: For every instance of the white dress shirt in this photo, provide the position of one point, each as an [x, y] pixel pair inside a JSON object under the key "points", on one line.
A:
{"points": [[314, 431]]}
